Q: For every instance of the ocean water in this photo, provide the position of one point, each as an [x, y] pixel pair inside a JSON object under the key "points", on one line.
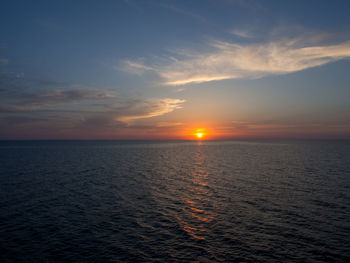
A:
{"points": [[146, 201]]}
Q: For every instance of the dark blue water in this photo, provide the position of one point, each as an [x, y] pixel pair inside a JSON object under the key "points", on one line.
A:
{"points": [[110, 201]]}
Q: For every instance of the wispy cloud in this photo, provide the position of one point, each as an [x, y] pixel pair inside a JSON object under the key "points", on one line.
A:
{"points": [[65, 100], [29, 102], [116, 118], [125, 113], [147, 109], [169, 124], [62, 109], [235, 61], [133, 67], [242, 33], [60, 96]]}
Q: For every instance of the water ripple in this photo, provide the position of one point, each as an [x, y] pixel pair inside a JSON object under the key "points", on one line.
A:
{"points": [[174, 201]]}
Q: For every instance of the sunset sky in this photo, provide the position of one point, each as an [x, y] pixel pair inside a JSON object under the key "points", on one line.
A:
{"points": [[150, 69]]}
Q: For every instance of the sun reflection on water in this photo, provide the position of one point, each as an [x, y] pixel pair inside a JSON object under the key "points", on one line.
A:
{"points": [[197, 214]]}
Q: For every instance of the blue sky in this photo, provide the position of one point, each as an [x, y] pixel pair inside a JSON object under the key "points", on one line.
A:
{"points": [[164, 69]]}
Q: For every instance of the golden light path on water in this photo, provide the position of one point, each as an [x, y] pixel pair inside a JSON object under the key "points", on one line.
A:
{"points": [[196, 215]]}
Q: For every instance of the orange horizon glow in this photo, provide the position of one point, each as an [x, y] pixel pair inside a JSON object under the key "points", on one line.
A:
{"points": [[199, 134], [209, 131]]}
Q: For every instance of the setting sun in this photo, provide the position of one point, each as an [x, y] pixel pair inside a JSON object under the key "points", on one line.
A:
{"points": [[199, 135]]}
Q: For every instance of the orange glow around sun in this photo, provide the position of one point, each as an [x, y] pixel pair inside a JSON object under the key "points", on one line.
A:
{"points": [[199, 134]]}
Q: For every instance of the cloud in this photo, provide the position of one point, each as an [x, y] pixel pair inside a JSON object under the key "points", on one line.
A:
{"points": [[147, 109], [61, 96], [133, 67], [114, 120], [235, 61], [242, 33], [110, 113], [126, 111], [25, 102], [95, 105], [22, 119], [124, 115], [169, 124], [32, 108]]}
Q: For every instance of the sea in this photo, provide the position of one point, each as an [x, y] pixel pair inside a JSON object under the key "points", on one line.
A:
{"points": [[175, 201]]}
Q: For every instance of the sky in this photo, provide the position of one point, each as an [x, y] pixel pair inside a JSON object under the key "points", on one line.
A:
{"points": [[158, 69]]}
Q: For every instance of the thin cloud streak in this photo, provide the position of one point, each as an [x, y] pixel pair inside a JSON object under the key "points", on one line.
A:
{"points": [[149, 109], [237, 61], [60, 96], [242, 33], [133, 67], [280, 129], [30, 102]]}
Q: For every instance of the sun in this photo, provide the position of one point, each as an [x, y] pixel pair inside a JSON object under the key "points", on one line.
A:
{"points": [[199, 135]]}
